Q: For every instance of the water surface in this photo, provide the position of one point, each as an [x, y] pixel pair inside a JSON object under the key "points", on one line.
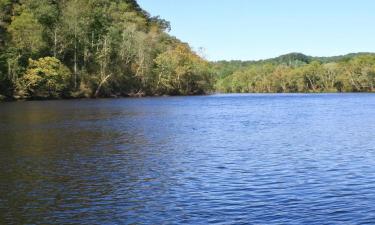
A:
{"points": [[222, 159]]}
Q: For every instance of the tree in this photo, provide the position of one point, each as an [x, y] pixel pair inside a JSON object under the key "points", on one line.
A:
{"points": [[182, 72], [45, 78], [27, 33], [103, 59]]}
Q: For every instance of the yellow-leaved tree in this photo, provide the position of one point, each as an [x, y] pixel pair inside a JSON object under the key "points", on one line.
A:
{"points": [[182, 72], [45, 78]]}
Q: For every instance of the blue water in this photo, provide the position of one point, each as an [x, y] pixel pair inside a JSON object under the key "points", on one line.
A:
{"points": [[221, 159]]}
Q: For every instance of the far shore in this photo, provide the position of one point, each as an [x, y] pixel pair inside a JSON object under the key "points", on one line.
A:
{"points": [[8, 99]]}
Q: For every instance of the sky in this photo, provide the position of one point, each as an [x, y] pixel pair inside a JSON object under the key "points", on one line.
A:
{"points": [[260, 29]]}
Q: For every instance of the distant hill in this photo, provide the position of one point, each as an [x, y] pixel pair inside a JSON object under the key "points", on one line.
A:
{"points": [[294, 59], [296, 72]]}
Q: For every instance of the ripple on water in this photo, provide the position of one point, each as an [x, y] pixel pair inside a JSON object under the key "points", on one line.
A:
{"points": [[227, 159]]}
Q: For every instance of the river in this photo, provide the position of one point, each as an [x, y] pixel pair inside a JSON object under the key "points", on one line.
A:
{"points": [[220, 159]]}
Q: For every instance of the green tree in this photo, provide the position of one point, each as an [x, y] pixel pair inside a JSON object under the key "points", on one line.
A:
{"points": [[27, 33]]}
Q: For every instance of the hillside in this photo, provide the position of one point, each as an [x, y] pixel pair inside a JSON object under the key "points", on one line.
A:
{"points": [[225, 68], [73, 49], [296, 72]]}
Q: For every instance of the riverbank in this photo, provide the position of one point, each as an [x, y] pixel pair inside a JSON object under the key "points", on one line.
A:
{"points": [[17, 99], [134, 96]]}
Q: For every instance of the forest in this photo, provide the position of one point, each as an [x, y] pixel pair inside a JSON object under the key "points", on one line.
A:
{"points": [[298, 73], [93, 48], [110, 48]]}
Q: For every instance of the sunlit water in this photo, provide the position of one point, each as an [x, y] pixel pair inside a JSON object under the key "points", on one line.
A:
{"points": [[223, 159]]}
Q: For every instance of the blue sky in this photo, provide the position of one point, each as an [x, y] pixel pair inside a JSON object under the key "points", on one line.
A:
{"points": [[259, 29]]}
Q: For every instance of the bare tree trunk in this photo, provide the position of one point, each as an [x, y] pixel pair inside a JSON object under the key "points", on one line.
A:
{"points": [[92, 40], [55, 43], [159, 80], [311, 84], [354, 84], [75, 63], [102, 82], [9, 71], [103, 69], [75, 49]]}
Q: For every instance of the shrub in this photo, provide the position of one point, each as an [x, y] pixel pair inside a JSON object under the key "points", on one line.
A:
{"points": [[45, 78]]}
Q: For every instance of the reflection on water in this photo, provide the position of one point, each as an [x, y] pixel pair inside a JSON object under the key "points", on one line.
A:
{"points": [[212, 159]]}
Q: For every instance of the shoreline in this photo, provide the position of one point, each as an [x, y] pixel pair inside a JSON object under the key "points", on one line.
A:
{"points": [[4, 99], [7, 99]]}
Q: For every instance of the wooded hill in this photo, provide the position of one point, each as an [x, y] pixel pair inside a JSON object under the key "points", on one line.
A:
{"points": [[93, 48], [297, 72]]}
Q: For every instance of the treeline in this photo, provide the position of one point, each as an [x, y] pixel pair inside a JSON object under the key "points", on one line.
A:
{"points": [[106, 48], [298, 73], [93, 48]]}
